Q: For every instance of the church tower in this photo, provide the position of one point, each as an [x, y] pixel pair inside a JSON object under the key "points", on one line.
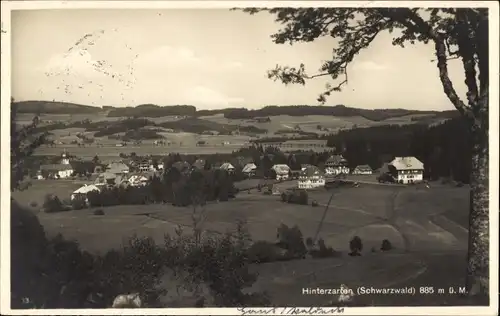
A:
{"points": [[65, 158]]}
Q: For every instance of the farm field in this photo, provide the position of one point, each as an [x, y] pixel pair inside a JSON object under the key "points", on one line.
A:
{"points": [[112, 152]]}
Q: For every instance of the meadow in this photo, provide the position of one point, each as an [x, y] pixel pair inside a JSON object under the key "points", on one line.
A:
{"points": [[412, 218], [429, 245], [186, 142]]}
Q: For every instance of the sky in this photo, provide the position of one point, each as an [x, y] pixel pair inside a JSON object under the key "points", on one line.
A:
{"points": [[209, 58]]}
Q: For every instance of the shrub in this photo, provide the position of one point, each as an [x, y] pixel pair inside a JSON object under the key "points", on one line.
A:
{"points": [[323, 251], [79, 202], [98, 212], [386, 245], [309, 242], [263, 251], [56, 273], [52, 204], [291, 239], [356, 245]]}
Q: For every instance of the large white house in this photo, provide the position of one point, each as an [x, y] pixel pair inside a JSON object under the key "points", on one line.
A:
{"points": [[282, 171], [311, 177], [335, 165], [407, 169], [83, 191]]}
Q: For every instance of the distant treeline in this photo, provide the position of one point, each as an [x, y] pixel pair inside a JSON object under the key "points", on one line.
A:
{"points": [[152, 110], [52, 107]]}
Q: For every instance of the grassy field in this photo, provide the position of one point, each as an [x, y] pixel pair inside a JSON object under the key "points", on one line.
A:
{"points": [[411, 218], [429, 246]]}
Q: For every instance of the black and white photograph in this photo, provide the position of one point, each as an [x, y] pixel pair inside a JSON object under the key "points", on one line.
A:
{"points": [[274, 158]]}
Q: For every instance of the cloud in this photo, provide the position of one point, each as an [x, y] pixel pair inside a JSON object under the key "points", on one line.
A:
{"points": [[76, 61], [210, 98], [369, 65], [168, 56], [233, 65]]}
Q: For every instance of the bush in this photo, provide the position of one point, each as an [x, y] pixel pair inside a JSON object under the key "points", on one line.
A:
{"points": [[386, 245], [56, 273], [52, 204], [356, 246], [323, 251], [79, 202], [263, 251], [292, 241], [98, 212]]}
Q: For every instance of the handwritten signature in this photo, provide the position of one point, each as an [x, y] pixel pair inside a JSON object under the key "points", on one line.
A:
{"points": [[291, 311]]}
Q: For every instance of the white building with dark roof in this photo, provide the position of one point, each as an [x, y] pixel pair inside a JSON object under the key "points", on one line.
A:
{"points": [[407, 169], [311, 177], [362, 169], [335, 165], [282, 171]]}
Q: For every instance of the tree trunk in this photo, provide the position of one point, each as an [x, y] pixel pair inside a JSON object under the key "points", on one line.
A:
{"points": [[478, 251]]}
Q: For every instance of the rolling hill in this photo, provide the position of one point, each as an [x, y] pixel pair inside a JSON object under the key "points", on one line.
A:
{"points": [[151, 110], [51, 107]]}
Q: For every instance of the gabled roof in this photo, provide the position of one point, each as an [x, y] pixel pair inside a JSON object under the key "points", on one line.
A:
{"points": [[226, 166], [86, 189], [117, 166], [281, 168], [311, 172], [407, 163], [336, 159], [249, 167], [363, 168], [56, 167]]}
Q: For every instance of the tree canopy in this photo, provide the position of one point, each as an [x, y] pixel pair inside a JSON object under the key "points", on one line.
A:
{"points": [[456, 33]]}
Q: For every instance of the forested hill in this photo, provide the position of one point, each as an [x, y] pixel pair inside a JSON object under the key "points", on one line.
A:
{"points": [[444, 148], [152, 110], [53, 107]]}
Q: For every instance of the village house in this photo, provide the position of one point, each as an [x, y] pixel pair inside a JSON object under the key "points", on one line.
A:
{"points": [[118, 168], [58, 171], [249, 169], [144, 166], [158, 167], [282, 171], [335, 165], [228, 167], [362, 169], [407, 170], [83, 191], [138, 179], [106, 179], [311, 177]]}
